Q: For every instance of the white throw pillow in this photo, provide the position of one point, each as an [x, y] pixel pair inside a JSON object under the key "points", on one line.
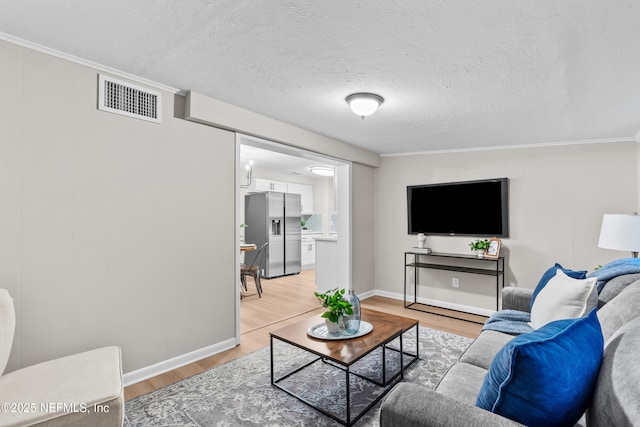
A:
{"points": [[564, 298]]}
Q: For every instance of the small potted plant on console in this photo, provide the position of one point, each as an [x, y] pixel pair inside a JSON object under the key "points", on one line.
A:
{"points": [[337, 306], [479, 246]]}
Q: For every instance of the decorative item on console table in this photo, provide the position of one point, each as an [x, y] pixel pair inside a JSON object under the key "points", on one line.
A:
{"points": [[493, 251], [422, 240], [479, 247], [337, 306]]}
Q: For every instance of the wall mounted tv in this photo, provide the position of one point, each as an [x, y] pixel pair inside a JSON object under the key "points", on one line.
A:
{"points": [[470, 208]]}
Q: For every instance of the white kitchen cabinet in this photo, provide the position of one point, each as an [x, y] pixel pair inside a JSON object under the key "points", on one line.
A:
{"points": [[326, 262], [308, 253], [306, 195], [261, 184]]}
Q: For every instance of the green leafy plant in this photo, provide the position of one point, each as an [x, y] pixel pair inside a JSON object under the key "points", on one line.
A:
{"points": [[333, 300], [479, 245]]}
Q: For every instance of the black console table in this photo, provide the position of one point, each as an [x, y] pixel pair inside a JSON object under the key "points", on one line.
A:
{"points": [[434, 261]]}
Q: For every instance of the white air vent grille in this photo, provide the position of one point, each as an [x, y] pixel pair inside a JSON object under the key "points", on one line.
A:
{"points": [[116, 96]]}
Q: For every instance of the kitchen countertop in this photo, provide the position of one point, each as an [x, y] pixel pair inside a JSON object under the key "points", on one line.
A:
{"points": [[327, 238]]}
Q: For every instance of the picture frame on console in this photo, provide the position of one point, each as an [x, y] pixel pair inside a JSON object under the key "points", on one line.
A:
{"points": [[493, 251]]}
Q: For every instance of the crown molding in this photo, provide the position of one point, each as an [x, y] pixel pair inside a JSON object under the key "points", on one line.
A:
{"points": [[90, 64], [514, 147]]}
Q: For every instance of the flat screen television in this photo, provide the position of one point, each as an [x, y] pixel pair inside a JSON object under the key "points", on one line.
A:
{"points": [[470, 208]]}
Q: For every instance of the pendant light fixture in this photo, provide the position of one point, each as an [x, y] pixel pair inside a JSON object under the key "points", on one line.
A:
{"points": [[249, 175], [364, 104]]}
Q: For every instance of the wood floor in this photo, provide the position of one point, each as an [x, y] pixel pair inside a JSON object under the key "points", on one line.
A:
{"points": [[279, 295], [258, 316]]}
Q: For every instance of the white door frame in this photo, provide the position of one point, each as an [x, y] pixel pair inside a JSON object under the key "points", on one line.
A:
{"points": [[343, 209]]}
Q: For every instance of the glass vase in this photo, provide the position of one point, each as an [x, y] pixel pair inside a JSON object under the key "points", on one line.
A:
{"points": [[352, 321]]}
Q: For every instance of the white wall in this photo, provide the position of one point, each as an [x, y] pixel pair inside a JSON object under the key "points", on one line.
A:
{"points": [[112, 230], [202, 109], [557, 198], [363, 231], [324, 201], [116, 231]]}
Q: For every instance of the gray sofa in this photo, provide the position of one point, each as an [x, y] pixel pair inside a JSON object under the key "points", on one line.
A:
{"points": [[615, 402]]}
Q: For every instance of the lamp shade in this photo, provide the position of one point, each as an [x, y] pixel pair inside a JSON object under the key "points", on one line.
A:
{"points": [[620, 232]]}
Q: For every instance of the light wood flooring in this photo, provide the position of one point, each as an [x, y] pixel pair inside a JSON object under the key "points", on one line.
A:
{"points": [[284, 301], [278, 298]]}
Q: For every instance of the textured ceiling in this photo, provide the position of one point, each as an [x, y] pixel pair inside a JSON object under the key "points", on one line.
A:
{"points": [[454, 74]]}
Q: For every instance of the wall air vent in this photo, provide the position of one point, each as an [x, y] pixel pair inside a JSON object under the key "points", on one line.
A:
{"points": [[119, 97]]}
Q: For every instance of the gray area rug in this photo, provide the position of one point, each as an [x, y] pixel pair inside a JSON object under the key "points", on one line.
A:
{"points": [[239, 393]]}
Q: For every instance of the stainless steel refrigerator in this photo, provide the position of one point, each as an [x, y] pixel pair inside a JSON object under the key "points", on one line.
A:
{"points": [[274, 217]]}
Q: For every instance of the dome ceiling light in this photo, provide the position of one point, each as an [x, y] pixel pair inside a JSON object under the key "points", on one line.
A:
{"points": [[364, 104], [322, 170]]}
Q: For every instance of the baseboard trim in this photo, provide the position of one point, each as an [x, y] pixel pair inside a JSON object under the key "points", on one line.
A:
{"points": [[438, 303], [366, 295], [174, 363], [159, 368]]}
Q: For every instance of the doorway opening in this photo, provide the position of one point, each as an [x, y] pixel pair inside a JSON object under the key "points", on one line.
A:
{"points": [[266, 166]]}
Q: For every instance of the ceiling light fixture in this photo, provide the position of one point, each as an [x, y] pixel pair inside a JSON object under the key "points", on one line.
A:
{"points": [[322, 170], [364, 104]]}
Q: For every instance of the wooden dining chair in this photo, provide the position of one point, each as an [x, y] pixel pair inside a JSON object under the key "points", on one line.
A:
{"points": [[254, 269]]}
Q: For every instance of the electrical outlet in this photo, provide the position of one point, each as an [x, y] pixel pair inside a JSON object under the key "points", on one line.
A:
{"points": [[455, 282]]}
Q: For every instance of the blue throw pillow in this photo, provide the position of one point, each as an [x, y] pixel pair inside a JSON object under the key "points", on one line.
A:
{"points": [[550, 273], [546, 377]]}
